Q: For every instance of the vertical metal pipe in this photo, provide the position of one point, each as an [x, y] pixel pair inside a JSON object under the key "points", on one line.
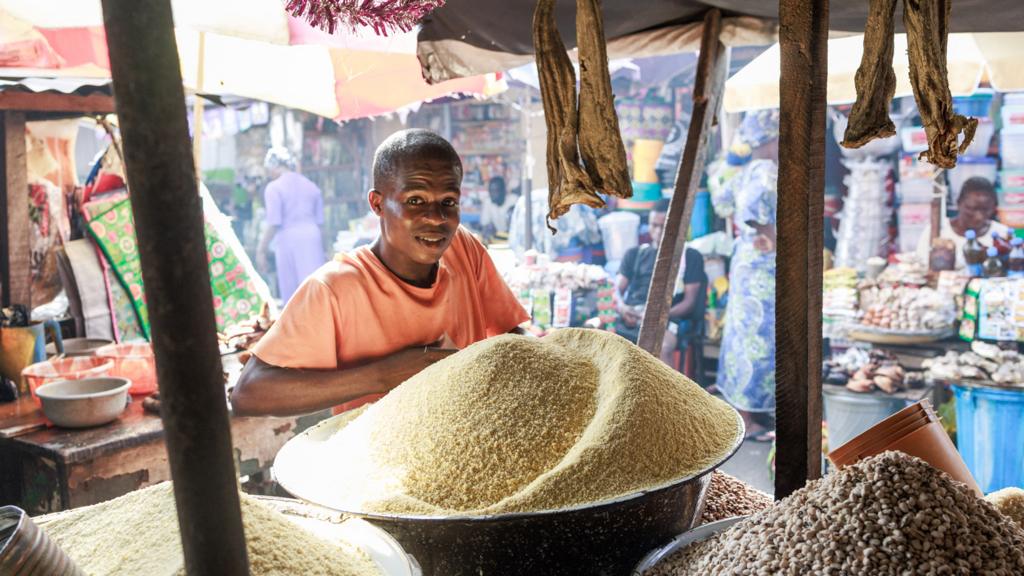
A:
{"points": [[172, 248]]}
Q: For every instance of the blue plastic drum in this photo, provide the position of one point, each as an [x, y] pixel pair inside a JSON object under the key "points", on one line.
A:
{"points": [[990, 434]]}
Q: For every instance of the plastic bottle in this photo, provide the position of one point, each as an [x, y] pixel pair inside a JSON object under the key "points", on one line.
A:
{"points": [[1016, 266], [974, 254], [1002, 244], [993, 266]]}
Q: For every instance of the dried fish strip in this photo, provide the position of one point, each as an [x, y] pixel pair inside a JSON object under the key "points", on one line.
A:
{"points": [[568, 183], [875, 80], [927, 25], [604, 154]]}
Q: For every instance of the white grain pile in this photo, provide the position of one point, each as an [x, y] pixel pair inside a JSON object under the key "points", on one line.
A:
{"points": [[137, 534], [888, 515], [515, 424], [1009, 501]]}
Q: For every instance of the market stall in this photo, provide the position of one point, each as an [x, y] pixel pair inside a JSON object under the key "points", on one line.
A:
{"points": [[592, 452]]}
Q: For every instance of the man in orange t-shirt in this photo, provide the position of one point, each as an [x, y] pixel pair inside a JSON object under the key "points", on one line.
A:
{"points": [[368, 320]]}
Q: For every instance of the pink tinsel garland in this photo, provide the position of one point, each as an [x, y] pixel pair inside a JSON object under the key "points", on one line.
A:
{"points": [[383, 16]]}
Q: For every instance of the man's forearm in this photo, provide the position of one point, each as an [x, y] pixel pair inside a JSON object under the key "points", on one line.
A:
{"points": [[267, 390]]}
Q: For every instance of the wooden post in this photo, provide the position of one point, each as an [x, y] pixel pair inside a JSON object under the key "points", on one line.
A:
{"points": [[16, 232], [712, 66], [803, 41], [172, 248]]}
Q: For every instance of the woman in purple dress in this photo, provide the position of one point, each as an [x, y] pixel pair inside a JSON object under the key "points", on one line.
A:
{"points": [[294, 213]]}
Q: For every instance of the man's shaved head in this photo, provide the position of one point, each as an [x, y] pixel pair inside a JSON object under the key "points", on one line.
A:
{"points": [[408, 146]]}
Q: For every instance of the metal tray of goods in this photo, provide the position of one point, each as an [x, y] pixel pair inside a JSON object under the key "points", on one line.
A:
{"points": [[698, 534], [876, 335], [334, 526]]}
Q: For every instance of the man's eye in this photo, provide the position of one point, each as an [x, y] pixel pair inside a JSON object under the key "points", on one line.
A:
{"points": [[449, 202], [414, 201]]}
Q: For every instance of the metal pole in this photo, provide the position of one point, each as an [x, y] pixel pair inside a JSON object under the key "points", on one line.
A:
{"points": [[172, 248], [528, 171], [197, 108], [803, 43]]}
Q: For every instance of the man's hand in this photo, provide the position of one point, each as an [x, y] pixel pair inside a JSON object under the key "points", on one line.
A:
{"points": [[410, 362], [764, 244], [629, 316]]}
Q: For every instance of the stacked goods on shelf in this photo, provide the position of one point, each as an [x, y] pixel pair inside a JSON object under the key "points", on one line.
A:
{"points": [[917, 185], [864, 229], [1011, 150], [839, 301]]}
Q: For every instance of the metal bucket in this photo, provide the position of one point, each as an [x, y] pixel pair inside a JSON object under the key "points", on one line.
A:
{"points": [[25, 550], [605, 538], [849, 414]]}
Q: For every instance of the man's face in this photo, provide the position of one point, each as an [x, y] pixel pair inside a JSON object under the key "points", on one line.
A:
{"points": [[976, 210], [656, 222], [497, 192], [419, 209]]}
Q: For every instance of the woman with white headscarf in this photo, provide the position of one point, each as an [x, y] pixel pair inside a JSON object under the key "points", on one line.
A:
{"points": [[294, 213]]}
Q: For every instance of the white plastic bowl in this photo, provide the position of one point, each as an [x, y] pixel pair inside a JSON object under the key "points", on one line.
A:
{"points": [[84, 403]]}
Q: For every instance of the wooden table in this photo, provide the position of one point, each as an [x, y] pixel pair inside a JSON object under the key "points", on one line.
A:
{"points": [[51, 469]]}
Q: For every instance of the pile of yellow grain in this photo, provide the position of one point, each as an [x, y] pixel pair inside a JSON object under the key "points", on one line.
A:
{"points": [[515, 424], [138, 534], [1009, 501]]}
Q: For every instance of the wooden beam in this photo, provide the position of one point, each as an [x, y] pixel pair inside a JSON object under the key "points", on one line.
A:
{"points": [[55, 102], [172, 249], [803, 40], [712, 65], [15, 260]]}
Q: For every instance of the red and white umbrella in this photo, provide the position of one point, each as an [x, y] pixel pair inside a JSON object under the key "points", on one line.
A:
{"points": [[248, 48]]}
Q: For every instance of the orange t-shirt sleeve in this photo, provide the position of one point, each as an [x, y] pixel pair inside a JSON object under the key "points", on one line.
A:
{"points": [[502, 311], [306, 334]]}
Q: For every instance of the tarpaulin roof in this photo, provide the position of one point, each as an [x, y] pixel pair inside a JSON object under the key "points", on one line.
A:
{"points": [[466, 37], [251, 48]]}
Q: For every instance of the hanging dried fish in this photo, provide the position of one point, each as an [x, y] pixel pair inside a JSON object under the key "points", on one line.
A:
{"points": [[568, 183], [604, 154], [875, 80], [927, 25]]}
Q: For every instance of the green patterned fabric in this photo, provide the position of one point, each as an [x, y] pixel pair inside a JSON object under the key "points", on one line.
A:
{"points": [[236, 296]]}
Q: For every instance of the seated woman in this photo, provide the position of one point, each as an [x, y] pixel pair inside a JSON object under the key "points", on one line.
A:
{"points": [[976, 208]]}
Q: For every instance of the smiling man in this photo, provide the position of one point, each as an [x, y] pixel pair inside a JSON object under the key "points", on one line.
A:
{"points": [[371, 318]]}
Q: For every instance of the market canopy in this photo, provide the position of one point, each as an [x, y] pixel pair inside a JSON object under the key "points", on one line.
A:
{"points": [[251, 48], [467, 37], [971, 58]]}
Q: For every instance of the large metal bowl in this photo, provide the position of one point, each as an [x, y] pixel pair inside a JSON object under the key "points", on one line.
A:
{"points": [[604, 538]]}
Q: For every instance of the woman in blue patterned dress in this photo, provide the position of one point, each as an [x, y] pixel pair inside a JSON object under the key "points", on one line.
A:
{"points": [[744, 188]]}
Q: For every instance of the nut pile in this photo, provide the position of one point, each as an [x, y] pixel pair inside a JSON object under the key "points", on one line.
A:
{"points": [[729, 497], [891, 514], [1009, 501]]}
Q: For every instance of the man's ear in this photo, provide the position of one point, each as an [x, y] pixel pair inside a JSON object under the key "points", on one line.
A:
{"points": [[376, 200]]}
